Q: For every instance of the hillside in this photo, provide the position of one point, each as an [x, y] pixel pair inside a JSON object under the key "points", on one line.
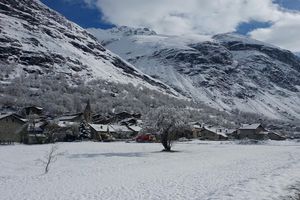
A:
{"points": [[227, 71], [43, 55]]}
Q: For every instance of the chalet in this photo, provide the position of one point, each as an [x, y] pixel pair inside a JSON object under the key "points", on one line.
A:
{"points": [[12, 127], [252, 131], [212, 133]]}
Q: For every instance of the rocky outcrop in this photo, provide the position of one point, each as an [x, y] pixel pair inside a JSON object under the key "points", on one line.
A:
{"points": [[36, 40]]}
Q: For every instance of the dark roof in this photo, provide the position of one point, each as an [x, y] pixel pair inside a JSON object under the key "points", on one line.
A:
{"points": [[16, 116]]}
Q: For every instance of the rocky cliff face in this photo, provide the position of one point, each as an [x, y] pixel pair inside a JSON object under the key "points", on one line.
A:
{"points": [[228, 71], [36, 40]]}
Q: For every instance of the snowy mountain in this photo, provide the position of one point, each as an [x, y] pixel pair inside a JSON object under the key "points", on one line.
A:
{"points": [[36, 40], [227, 71]]}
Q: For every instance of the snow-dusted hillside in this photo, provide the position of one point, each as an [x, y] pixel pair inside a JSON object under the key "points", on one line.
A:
{"points": [[36, 40], [226, 71]]}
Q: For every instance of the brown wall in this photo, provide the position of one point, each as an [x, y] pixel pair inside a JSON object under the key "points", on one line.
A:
{"points": [[208, 135], [11, 128], [251, 133]]}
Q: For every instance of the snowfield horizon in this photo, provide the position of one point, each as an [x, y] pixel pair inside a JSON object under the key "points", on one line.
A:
{"points": [[119, 170]]}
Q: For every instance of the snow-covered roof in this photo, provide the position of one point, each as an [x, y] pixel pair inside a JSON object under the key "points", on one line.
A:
{"points": [[111, 128], [37, 107], [2, 116], [250, 126], [216, 130], [222, 134], [99, 127], [118, 128], [5, 115], [196, 126], [272, 132], [264, 132], [37, 135], [135, 128], [65, 124], [68, 117]]}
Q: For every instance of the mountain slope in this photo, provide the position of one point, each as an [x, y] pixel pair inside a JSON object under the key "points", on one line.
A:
{"points": [[36, 40], [228, 71]]}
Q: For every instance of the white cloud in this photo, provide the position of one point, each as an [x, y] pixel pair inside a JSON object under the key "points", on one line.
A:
{"points": [[284, 33], [208, 17], [187, 16]]}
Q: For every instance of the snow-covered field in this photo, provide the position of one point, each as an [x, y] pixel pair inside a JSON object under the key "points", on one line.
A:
{"points": [[200, 170]]}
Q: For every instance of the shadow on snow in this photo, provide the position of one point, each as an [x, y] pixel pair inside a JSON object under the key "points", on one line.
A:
{"points": [[93, 155]]}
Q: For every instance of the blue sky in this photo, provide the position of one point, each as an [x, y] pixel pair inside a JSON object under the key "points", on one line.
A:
{"points": [[78, 12], [90, 17]]}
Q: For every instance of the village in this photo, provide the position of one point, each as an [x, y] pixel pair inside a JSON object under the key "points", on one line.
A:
{"points": [[31, 126]]}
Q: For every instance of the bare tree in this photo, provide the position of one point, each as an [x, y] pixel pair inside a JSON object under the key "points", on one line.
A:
{"points": [[50, 157]]}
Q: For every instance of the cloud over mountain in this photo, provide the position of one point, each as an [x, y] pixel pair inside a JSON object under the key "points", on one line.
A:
{"points": [[177, 17]]}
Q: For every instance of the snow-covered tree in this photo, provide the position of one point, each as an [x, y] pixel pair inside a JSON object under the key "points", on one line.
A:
{"points": [[168, 122], [84, 130]]}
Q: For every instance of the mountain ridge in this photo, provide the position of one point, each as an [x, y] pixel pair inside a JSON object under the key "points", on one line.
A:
{"points": [[227, 71], [38, 40]]}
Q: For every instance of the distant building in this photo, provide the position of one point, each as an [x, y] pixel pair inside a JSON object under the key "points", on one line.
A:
{"points": [[121, 132], [12, 127], [107, 132], [78, 117], [196, 128], [213, 133], [252, 131], [32, 110], [123, 115], [101, 132]]}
